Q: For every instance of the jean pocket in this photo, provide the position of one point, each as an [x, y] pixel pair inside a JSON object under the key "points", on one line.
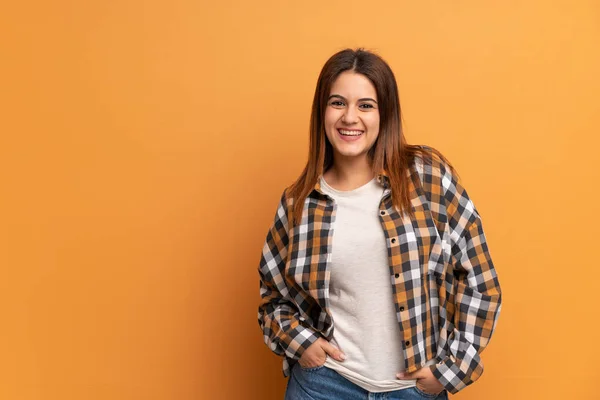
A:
{"points": [[312, 369], [426, 395]]}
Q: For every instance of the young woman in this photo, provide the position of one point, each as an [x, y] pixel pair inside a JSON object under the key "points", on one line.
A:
{"points": [[375, 276]]}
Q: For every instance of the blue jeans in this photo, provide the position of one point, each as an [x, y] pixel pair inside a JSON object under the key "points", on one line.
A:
{"points": [[322, 383]]}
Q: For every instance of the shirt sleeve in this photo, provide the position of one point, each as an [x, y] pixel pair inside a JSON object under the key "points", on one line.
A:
{"points": [[477, 290], [278, 315]]}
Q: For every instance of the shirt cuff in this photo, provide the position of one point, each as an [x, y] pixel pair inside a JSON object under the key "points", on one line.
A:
{"points": [[449, 375]]}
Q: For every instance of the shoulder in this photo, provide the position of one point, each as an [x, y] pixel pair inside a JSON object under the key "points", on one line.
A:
{"points": [[430, 164], [285, 200]]}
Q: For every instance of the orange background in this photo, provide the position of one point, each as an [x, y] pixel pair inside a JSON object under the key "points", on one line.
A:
{"points": [[145, 145]]}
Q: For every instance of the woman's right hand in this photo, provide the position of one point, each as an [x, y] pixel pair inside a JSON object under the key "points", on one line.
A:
{"points": [[317, 353]]}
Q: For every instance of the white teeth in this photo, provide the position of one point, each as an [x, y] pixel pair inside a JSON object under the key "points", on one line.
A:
{"points": [[350, 133]]}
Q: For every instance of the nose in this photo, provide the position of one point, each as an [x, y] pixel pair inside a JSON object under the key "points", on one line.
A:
{"points": [[350, 116]]}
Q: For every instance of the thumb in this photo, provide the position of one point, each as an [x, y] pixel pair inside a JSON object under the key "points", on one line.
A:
{"points": [[411, 375], [333, 351]]}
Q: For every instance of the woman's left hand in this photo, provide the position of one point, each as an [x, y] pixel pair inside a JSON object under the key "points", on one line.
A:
{"points": [[426, 381]]}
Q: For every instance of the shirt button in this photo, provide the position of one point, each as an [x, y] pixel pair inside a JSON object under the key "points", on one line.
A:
{"points": [[402, 308], [382, 212], [397, 275], [407, 343], [393, 240]]}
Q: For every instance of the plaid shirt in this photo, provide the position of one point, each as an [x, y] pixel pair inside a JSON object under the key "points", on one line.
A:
{"points": [[446, 292]]}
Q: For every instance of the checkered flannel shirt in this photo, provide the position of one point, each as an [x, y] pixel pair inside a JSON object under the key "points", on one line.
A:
{"points": [[446, 292]]}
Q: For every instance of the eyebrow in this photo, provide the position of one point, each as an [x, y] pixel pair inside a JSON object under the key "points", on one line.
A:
{"points": [[343, 98]]}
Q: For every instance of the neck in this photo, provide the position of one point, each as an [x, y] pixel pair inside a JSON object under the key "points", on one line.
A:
{"points": [[348, 173]]}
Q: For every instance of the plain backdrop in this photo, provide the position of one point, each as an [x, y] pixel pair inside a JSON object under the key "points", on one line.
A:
{"points": [[145, 144]]}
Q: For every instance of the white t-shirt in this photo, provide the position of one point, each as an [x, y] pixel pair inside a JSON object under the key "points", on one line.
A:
{"points": [[360, 292]]}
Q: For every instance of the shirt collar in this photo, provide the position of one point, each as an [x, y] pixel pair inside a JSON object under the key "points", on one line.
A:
{"points": [[382, 178]]}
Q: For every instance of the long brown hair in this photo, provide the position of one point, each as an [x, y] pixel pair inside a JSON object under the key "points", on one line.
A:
{"points": [[389, 153]]}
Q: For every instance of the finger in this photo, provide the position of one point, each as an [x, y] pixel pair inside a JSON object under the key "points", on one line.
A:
{"points": [[403, 375], [333, 351]]}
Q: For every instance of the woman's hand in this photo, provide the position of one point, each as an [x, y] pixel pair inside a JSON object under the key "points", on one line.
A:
{"points": [[426, 381], [316, 354]]}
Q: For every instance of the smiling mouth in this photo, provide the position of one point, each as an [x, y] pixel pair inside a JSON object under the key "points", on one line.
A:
{"points": [[347, 132]]}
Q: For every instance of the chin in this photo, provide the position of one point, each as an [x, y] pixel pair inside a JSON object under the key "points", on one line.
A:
{"points": [[352, 153]]}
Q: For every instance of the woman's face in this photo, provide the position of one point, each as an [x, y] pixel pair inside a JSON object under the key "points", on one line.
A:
{"points": [[352, 115]]}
